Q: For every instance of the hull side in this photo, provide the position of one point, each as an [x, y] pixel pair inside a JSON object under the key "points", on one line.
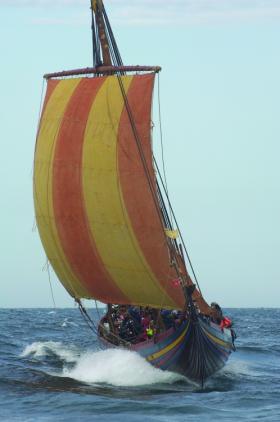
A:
{"points": [[196, 350]]}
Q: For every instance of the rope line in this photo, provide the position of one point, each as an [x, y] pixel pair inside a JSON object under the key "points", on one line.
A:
{"points": [[177, 225], [97, 310], [140, 150], [92, 324], [50, 283], [165, 218], [148, 176], [87, 318], [161, 145]]}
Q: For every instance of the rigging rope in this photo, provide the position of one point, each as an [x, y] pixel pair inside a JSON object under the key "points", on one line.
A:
{"points": [[111, 38], [95, 41], [86, 317], [164, 218], [50, 283], [177, 225], [93, 327], [97, 310], [39, 120], [35, 192], [149, 178], [40, 108], [161, 144], [140, 149]]}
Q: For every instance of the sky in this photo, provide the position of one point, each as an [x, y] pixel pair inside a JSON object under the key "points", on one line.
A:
{"points": [[220, 95]]}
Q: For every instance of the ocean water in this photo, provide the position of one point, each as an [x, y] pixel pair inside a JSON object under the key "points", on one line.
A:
{"points": [[52, 368]]}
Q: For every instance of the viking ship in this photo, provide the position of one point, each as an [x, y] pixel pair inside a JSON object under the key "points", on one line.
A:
{"points": [[104, 215]]}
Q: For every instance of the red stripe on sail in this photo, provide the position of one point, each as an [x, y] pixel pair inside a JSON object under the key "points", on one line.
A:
{"points": [[70, 217], [136, 193]]}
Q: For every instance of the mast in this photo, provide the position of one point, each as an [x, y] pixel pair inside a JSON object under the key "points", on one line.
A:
{"points": [[105, 49], [101, 269], [104, 44], [95, 40]]}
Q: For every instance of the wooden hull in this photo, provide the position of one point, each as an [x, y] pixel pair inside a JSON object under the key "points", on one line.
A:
{"points": [[196, 349]]}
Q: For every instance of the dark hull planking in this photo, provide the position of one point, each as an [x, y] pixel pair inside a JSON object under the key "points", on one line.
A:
{"points": [[195, 349]]}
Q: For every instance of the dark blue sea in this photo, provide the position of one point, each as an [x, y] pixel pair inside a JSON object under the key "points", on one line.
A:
{"points": [[53, 369]]}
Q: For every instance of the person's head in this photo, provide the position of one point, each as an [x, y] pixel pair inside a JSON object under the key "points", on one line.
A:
{"points": [[214, 305]]}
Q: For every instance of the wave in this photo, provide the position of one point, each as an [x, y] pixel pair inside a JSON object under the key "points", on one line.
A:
{"points": [[66, 322], [267, 349], [237, 369], [118, 368], [123, 368], [47, 348], [113, 367]]}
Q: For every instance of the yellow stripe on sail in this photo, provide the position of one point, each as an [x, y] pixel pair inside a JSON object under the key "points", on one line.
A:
{"points": [[109, 223], [43, 182]]}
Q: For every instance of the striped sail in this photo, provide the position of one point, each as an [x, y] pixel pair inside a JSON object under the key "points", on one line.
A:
{"points": [[96, 216]]}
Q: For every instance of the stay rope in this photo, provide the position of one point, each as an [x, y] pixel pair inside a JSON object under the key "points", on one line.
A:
{"points": [[47, 268], [156, 194], [149, 178], [50, 283], [176, 222], [47, 265], [88, 320], [161, 144], [140, 149], [91, 324]]}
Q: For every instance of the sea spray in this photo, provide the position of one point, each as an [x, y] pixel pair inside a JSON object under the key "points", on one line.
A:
{"points": [[119, 368], [66, 323], [33, 385], [237, 369], [113, 366], [47, 348]]}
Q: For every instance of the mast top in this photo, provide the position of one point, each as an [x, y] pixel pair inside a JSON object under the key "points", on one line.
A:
{"points": [[104, 46], [95, 3]]}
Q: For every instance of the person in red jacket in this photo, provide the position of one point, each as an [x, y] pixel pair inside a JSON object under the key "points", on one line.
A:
{"points": [[225, 323]]}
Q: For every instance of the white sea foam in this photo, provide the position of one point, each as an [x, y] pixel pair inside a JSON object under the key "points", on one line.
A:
{"points": [[45, 348], [118, 367], [237, 368], [66, 322], [114, 366]]}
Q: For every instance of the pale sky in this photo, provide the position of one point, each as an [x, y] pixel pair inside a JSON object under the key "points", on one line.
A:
{"points": [[220, 95]]}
